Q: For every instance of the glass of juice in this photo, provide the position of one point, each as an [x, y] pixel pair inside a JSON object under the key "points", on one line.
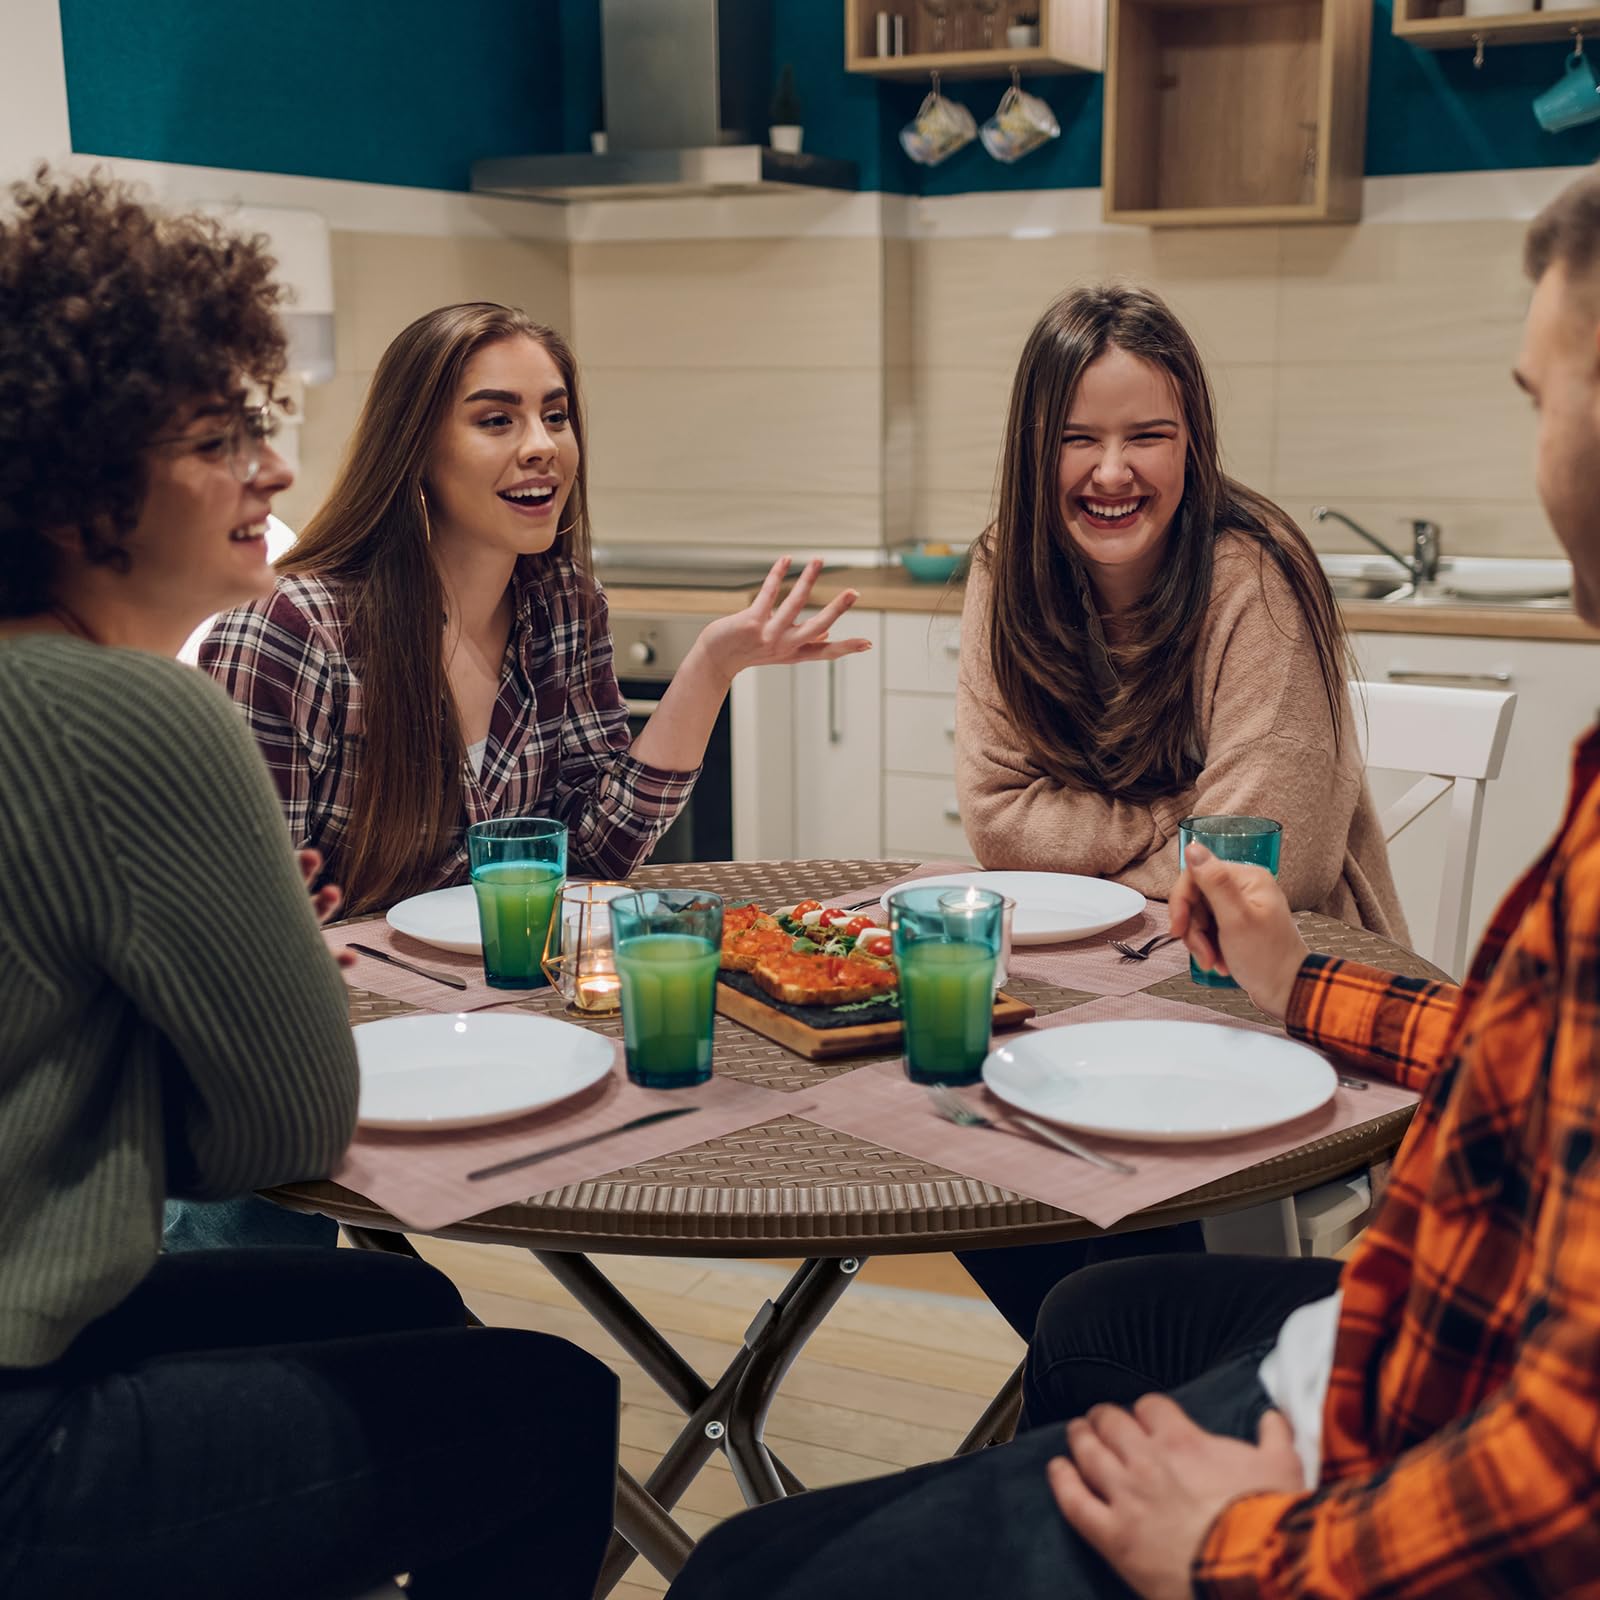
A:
{"points": [[668, 946], [946, 944], [518, 867], [1257, 840]]}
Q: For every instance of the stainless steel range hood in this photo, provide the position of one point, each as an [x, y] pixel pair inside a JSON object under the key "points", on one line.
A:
{"points": [[686, 87]]}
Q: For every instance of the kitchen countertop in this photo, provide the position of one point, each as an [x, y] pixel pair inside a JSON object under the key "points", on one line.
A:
{"points": [[889, 589]]}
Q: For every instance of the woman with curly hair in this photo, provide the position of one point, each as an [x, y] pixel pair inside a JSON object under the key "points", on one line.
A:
{"points": [[251, 1423]]}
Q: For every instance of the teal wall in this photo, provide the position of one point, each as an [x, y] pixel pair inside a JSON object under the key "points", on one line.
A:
{"points": [[412, 91], [384, 91]]}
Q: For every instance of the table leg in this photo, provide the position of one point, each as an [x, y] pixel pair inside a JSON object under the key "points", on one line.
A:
{"points": [[646, 1528], [998, 1424], [773, 1349]]}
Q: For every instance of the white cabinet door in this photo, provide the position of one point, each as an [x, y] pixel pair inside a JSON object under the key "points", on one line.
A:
{"points": [[922, 652], [1557, 684], [837, 772]]}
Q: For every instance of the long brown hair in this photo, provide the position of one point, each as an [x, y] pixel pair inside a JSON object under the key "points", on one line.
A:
{"points": [[371, 537], [1123, 719]]}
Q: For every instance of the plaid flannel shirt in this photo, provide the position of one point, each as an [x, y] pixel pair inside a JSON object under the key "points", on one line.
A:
{"points": [[1461, 1444], [558, 736]]}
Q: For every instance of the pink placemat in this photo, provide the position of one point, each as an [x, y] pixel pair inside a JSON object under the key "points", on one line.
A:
{"points": [[424, 993], [879, 1103], [1092, 966], [421, 1178]]}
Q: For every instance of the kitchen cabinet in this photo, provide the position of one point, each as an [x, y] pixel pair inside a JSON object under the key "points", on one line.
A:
{"points": [[1222, 112], [1438, 25], [1071, 39], [837, 743], [1557, 685]]}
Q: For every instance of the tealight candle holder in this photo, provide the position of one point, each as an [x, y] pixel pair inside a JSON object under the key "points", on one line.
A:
{"points": [[579, 959]]}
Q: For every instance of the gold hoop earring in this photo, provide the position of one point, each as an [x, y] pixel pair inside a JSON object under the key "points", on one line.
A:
{"points": [[427, 525]]}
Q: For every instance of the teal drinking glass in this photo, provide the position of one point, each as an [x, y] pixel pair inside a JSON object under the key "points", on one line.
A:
{"points": [[1256, 840], [667, 944], [946, 944], [518, 867]]}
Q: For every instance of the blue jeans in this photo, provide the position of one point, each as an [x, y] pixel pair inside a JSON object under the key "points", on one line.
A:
{"points": [[246, 1222], [986, 1527], [260, 1425]]}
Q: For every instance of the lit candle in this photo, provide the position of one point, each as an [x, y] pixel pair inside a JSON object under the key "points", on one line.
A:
{"points": [[599, 991]]}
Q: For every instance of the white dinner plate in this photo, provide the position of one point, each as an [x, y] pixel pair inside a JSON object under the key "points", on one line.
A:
{"points": [[1160, 1080], [1051, 906], [445, 918], [460, 1069]]}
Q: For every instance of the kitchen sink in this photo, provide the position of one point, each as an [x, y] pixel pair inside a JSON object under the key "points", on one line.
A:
{"points": [[1461, 581]]}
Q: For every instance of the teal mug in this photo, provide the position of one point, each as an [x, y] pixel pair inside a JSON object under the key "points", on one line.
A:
{"points": [[1573, 101]]}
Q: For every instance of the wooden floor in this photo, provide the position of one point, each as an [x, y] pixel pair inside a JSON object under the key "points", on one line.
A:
{"points": [[903, 1366]]}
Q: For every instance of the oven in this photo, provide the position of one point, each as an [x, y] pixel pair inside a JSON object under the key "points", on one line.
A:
{"points": [[649, 649]]}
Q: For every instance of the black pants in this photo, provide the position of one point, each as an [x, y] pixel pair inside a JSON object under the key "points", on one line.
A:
{"points": [[1016, 1281], [986, 1527], [261, 1424]]}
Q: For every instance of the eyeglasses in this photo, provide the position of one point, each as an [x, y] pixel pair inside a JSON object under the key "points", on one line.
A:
{"points": [[241, 443]]}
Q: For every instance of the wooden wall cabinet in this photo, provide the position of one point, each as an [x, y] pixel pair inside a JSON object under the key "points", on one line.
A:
{"points": [[1440, 25], [1236, 111], [1072, 36]]}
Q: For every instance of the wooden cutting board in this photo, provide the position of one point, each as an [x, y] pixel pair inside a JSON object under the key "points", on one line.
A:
{"points": [[788, 1025]]}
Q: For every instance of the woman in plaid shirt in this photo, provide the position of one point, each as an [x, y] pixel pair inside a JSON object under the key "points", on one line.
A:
{"points": [[1425, 1423], [436, 650]]}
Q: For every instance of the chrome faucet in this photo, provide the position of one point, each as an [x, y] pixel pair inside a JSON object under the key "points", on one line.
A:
{"points": [[1422, 565]]}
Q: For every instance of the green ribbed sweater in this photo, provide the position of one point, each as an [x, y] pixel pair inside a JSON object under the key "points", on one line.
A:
{"points": [[170, 1020]]}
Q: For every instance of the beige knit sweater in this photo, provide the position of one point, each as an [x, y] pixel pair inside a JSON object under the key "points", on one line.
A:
{"points": [[1270, 752]]}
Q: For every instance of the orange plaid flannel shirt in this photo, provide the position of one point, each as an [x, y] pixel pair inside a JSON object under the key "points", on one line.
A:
{"points": [[1461, 1442]]}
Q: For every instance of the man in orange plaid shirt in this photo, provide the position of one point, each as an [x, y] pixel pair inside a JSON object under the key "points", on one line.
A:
{"points": [[1425, 1423]]}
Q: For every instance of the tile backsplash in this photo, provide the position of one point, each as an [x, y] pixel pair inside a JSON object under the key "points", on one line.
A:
{"points": [[850, 392]]}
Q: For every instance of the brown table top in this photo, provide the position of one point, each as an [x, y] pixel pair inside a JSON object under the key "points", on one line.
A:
{"points": [[790, 1187]]}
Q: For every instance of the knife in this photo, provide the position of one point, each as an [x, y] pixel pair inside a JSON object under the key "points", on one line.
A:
{"points": [[577, 1144], [395, 961]]}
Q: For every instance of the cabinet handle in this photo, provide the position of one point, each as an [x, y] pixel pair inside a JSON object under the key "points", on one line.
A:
{"points": [[640, 708], [1497, 680], [835, 732], [949, 730], [952, 647], [952, 812]]}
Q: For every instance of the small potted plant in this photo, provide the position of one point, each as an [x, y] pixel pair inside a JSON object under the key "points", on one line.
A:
{"points": [[784, 133], [1023, 34]]}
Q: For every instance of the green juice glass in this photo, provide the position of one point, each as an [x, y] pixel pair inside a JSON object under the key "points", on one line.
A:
{"points": [[1256, 840], [668, 947], [946, 944], [519, 865]]}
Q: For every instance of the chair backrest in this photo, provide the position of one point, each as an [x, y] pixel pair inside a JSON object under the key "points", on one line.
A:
{"points": [[1456, 738]]}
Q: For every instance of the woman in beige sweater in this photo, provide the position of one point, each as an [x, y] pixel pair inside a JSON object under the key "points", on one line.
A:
{"points": [[1146, 639]]}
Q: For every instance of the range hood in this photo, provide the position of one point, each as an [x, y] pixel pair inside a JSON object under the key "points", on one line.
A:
{"points": [[686, 89]]}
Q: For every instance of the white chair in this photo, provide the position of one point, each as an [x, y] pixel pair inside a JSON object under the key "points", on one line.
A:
{"points": [[1456, 738]]}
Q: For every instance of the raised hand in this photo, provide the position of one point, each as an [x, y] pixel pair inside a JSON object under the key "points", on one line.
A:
{"points": [[770, 632]]}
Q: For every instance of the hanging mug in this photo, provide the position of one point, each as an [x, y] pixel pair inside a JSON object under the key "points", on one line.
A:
{"points": [[1573, 101], [939, 129], [1021, 123]]}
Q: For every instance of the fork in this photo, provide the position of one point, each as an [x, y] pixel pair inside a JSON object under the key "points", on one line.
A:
{"points": [[958, 1111], [1141, 952]]}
